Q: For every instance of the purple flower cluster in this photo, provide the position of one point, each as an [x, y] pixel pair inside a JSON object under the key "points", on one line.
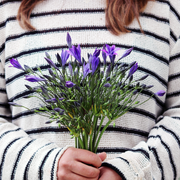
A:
{"points": [[64, 88], [79, 94]]}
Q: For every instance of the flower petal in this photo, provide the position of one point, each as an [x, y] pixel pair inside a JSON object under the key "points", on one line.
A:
{"points": [[64, 57], [160, 93], [15, 64], [69, 84], [107, 85], [69, 41], [126, 53], [32, 78], [50, 62]]}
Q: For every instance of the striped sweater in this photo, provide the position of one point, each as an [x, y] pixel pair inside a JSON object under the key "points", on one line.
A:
{"points": [[145, 144]]}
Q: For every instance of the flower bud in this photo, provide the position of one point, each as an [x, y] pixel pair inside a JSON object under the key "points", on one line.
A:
{"points": [[69, 84], [107, 85], [108, 79]]}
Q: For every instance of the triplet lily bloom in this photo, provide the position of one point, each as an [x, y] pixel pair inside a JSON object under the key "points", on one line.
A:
{"points": [[50, 62], [64, 57], [150, 86], [104, 54], [76, 52], [51, 72], [108, 70], [69, 41], [108, 79], [86, 69], [94, 63], [107, 85], [69, 84], [143, 77], [133, 69], [57, 109], [126, 53], [53, 100], [70, 69], [44, 90], [160, 93], [96, 52], [111, 51], [14, 104], [15, 63], [32, 78]]}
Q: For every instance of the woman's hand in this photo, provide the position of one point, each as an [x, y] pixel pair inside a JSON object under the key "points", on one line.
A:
{"points": [[108, 174], [76, 164]]}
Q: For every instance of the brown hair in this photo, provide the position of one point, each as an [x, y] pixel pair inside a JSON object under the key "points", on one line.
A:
{"points": [[119, 13]]}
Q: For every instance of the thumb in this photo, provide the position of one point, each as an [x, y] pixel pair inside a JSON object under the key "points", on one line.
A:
{"points": [[102, 156]]}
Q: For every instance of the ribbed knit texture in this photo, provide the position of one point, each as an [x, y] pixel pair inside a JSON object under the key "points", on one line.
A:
{"points": [[145, 143]]}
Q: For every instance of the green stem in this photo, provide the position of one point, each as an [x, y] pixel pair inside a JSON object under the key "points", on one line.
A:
{"points": [[99, 138], [90, 142], [94, 130], [85, 139], [76, 142], [80, 142], [100, 125]]}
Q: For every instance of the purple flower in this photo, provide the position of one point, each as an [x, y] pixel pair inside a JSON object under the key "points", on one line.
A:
{"points": [[135, 92], [108, 71], [150, 86], [96, 52], [111, 51], [76, 52], [70, 69], [160, 93], [51, 72], [60, 99], [61, 113], [53, 100], [48, 122], [14, 104], [50, 62], [107, 85], [69, 41], [143, 77], [43, 90], [64, 57], [104, 54], [94, 63], [126, 53], [86, 69], [108, 79], [57, 109], [47, 55], [133, 69], [15, 64], [69, 84], [32, 78]]}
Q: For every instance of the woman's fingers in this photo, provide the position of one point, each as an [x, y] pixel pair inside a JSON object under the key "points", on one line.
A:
{"points": [[85, 170], [73, 176], [79, 163], [87, 157], [102, 156]]}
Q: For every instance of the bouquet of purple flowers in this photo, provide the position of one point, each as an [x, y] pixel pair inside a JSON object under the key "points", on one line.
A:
{"points": [[81, 95]]}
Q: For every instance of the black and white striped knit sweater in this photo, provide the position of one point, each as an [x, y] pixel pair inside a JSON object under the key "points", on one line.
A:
{"points": [[145, 143]]}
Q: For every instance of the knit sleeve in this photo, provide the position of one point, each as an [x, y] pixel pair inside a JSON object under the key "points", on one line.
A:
{"points": [[21, 157], [158, 157]]}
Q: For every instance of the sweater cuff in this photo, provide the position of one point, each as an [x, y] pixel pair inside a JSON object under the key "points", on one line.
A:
{"points": [[133, 164], [50, 168]]}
